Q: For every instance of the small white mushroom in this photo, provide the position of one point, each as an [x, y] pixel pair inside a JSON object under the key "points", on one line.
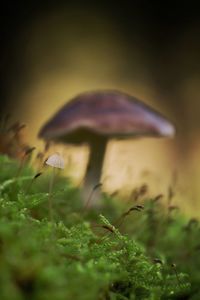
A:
{"points": [[56, 161]]}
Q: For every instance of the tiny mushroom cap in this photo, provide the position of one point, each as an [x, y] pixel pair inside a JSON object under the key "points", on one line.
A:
{"points": [[55, 161], [95, 117]]}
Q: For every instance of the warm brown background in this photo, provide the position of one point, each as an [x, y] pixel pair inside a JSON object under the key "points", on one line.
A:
{"points": [[51, 52]]}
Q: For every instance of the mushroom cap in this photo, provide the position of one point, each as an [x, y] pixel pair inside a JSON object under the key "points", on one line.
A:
{"points": [[110, 114], [55, 161]]}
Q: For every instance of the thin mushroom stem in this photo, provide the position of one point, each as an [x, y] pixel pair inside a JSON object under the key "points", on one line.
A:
{"points": [[50, 195], [94, 170]]}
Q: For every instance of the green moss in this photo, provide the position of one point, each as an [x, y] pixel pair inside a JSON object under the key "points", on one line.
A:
{"points": [[82, 255]]}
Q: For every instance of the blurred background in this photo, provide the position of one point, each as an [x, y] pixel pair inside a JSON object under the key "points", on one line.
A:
{"points": [[53, 50]]}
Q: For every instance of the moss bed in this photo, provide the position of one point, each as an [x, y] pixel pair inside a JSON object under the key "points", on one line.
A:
{"points": [[136, 249]]}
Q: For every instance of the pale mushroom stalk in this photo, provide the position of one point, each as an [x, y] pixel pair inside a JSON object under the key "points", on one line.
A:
{"points": [[94, 168], [50, 195]]}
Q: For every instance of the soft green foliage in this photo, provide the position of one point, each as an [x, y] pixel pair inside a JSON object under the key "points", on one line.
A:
{"points": [[88, 255]]}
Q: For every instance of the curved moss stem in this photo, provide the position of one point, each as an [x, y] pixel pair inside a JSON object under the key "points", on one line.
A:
{"points": [[94, 170]]}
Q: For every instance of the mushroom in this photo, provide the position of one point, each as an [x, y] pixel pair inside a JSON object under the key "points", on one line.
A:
{"points": [[98, 116], [55, 161]]}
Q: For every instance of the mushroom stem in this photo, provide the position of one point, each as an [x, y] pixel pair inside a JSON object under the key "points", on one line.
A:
{"points": [[94, 170]]}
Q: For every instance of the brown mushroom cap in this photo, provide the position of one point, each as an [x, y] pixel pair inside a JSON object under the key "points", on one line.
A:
{"points": [[111, 114]]}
